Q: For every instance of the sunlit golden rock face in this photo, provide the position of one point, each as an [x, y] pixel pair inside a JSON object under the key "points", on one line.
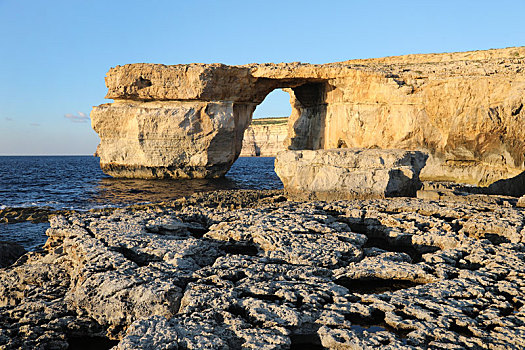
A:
{"points": [[464, 109]]}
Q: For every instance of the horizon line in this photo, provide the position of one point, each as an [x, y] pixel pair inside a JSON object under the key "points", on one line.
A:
{"points": [[45, 155]]}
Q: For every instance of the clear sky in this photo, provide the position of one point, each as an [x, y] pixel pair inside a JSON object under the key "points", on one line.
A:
{"points": [[54, 54]]}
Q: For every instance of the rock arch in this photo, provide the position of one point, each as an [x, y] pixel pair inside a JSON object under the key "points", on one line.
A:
{"points": [[464, 109], [170, 127], [307, 120]]}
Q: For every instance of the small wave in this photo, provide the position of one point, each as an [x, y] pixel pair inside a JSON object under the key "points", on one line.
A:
{"points": [[32, 205], [38, 204]]}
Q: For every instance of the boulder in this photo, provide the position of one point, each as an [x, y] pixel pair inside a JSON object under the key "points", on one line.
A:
{"points": [[10, 252], [349, 173]]}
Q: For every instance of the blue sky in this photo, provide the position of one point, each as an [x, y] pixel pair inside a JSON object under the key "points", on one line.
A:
{"points": [[54, 54]]}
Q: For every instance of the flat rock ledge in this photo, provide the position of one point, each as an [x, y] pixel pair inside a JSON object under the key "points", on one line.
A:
{"points": [[386, 273], [356, 173]]}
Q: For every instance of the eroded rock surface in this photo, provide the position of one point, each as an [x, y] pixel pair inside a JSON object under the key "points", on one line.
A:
{"points": [[464, 109], [169, 139], [521, 202], [349, 173], [11, 215], [386, 273]]}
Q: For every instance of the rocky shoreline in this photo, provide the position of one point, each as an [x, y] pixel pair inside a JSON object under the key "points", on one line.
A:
{"points": [[12, 215], [249, 269]]}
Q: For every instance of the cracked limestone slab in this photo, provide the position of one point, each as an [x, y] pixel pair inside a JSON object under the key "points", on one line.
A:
{"points": [[196, 277]]}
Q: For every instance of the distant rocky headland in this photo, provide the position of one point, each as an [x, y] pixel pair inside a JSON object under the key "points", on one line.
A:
{"points": [[265, 137]]}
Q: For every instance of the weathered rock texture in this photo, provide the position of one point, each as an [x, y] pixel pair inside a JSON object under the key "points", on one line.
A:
{"points": [[397, 273], [265, 137], [349, 173], [521, 202], [464, 109], [179, 139]]}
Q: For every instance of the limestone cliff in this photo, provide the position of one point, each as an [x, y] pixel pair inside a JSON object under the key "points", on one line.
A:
{"points": [[464, 109], [265, 137]]}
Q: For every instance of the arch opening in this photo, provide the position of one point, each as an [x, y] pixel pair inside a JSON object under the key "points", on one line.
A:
{"points": [[269, 130], [291, 116], [275, 105], [267, 133], [307, 122]]}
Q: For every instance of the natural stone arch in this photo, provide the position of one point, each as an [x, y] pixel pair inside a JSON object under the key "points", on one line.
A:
{"points": [[307, 122], [192, 137], [463, 109]]}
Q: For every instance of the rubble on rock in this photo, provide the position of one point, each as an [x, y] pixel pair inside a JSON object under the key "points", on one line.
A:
{"points": [[389, 273]]}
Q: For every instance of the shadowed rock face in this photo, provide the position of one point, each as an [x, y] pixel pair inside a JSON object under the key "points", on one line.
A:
{"points": [[464, 109], [9, 253]]}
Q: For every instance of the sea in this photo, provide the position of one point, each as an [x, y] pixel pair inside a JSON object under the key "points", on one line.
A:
{"points": [[76, 182]]}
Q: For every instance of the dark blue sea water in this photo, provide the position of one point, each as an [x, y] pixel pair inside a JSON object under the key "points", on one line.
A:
{"points": [[76, 182]]}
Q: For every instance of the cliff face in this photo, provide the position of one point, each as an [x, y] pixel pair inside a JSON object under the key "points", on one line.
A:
{"points": [[464, 109], [265, 137], [467, 114]]}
